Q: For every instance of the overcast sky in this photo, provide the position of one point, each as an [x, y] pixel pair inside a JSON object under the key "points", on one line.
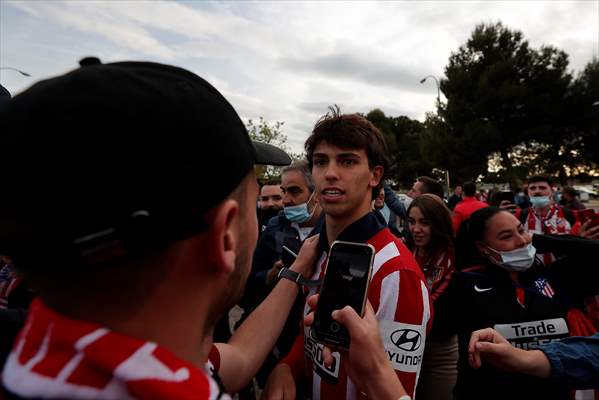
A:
{"points": [[285, 60]]}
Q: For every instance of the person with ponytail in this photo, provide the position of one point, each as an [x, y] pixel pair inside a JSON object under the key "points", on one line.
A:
{"points": [[431, 240], [501, 283]]}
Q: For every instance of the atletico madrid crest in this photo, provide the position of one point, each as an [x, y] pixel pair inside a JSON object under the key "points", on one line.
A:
{"points": [[543, 286]]}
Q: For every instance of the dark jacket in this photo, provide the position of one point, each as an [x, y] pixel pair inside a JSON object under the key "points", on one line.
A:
{"points": [[394, 204], [453, 201], [486, 297], [398, 209], [277, 233]]}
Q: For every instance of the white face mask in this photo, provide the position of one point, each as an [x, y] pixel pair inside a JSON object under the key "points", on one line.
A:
{"points": [[518, 260]]}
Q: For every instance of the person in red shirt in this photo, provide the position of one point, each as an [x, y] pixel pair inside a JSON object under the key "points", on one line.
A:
{"points": [[467, 206]]}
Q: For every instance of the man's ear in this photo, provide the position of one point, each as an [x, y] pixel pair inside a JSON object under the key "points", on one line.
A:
{"points": [[376, 175], [223, 236]]}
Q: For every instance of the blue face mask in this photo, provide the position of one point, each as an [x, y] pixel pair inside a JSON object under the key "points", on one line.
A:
{"points": [[299, 213], [540, 201]]}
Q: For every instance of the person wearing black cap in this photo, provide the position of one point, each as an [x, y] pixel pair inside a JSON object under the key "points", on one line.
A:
{"points": [[132, 260]]}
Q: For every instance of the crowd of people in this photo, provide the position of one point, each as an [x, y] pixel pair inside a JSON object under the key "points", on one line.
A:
{"points": [[134, 222]]}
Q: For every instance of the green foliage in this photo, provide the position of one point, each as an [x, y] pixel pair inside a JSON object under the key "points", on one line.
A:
{"points": [[583, 110], [403, 136], [264, 132], [501, 93]]}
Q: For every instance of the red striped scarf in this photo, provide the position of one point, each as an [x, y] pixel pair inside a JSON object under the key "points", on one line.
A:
{"points": [[59, 357], [437, 271], [553, 223]]}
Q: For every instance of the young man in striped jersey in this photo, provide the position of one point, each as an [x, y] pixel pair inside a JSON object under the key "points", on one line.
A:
{"points": [[347, 155]]}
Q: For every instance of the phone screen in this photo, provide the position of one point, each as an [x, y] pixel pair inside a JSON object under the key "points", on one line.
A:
{"points": [[345, 283]]}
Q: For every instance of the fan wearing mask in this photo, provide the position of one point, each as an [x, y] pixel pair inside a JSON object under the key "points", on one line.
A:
{"points": [[501, 284], [545, 216], [298, 218], [270, 203]]}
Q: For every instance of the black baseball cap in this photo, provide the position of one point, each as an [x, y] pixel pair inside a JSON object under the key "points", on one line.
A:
{"points": [[126, 152], [4, 96]]}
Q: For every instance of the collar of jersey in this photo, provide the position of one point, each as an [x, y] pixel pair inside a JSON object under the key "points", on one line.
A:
{"points": [[360, 231]]}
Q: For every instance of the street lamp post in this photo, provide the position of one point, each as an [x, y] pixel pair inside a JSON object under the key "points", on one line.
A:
{"points": [[438, 90], [446, 173], [18, 70]]}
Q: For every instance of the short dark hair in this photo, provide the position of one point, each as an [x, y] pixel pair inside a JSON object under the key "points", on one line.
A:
{"points": [[349, 131], [272, 182], [540, 178], [436, 212], [430, 185], [471, 231], [469, 189]]}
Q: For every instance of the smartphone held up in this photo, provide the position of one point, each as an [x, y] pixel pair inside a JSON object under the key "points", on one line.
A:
{"points": [[346, 280]]}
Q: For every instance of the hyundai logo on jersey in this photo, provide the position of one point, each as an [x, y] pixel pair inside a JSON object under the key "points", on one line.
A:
{"points": [[407, 339]]}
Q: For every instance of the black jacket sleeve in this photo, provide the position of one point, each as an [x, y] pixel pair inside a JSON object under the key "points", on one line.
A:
{"points": [[576, 268]]}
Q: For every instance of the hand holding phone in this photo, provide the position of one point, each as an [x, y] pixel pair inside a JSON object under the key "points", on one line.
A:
{"points": [[588, 214], [346, 280], [589, 224], [366, 360]]}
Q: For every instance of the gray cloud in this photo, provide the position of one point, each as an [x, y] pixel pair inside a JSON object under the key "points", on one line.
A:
{"points": [[315, 107], [285, 61], [362, 69]]}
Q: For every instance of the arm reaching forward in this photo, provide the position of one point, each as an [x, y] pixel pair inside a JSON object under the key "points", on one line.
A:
{"points": [[249, 346]]}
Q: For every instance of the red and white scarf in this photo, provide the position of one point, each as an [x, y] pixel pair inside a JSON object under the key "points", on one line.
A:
{"points": [[437, 271], [58, 357], [553, 223]]}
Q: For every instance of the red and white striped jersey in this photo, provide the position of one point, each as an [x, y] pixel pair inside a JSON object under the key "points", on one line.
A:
{"points": [[400, 298], [553, 223], [58, 357]]}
